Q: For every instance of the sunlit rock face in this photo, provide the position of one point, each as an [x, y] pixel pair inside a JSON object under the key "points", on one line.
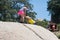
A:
{"points": [[19, 31]]}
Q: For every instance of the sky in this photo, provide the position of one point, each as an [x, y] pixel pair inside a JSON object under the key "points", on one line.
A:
{"points": [[40, 7]]}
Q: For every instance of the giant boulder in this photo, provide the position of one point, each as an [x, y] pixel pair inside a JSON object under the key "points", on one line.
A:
{"points": [[19, 31]]}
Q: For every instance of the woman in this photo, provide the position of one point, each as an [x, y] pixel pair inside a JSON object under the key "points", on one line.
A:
{"points": [[22, 14]]}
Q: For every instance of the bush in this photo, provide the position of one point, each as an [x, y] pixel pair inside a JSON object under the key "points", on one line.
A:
{"points": [[58, 25], [58, 36], [42, 23]]}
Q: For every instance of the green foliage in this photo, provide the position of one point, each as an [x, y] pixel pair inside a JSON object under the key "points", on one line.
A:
{"points": [[58, 36], [32, 14], [58, 25], [54, 9], [8, 9], [43, 23]]}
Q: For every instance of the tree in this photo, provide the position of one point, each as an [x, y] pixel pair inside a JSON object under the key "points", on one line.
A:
{"points": [[43, 23], [32, 14], [54, 9], [8, 8]]}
